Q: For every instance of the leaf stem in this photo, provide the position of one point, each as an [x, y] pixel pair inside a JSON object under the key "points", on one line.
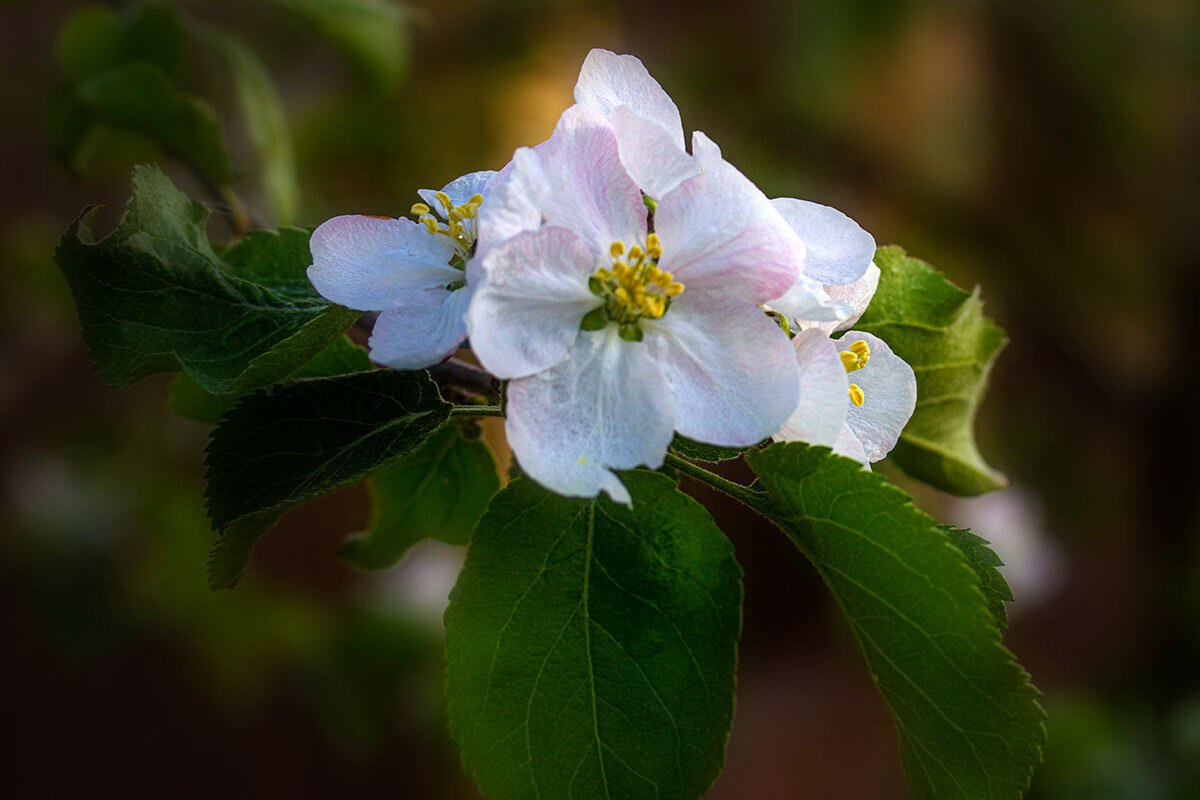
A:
{"points": [[742, 494], [477, 411]]}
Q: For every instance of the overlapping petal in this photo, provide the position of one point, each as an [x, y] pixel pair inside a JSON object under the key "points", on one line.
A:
{"points": [[365, 262], [820, 414], [653, 157], [720, 234], [607, 81], [460, 190], [837, 249], [890, 388], [606, 406], [732, 371], [422, 327], [526, 315]]}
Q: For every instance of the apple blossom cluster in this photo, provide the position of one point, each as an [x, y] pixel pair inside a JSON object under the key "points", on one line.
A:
{"points": [[628, 290]]}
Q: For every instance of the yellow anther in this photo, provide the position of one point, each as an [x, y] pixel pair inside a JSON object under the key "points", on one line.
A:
{"points": [[652, 242], [860, 349], [856, 395], [635, 288], [444, 199], [419, 209], [849, 361], [430, 224], [674, 289], [622, 295], [617, 249], [635, 253], [620, 268], [475, 200], [603, 274], [653, 275]]}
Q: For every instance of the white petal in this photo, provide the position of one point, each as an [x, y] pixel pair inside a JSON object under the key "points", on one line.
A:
{"points": [[720, 234], [808, 303], [846, 302], [365, 262], [856, 295], [654, 159], [821, 412], [460, 190], [422, 328], [705, 150], [608, 80], [848, 445], [837, 250], [514, 203], [890, 389], [731, 368], [526, 313], [604, 407]]}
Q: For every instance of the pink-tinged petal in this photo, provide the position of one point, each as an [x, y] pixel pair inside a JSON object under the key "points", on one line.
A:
{"points": [[720, 234], [514, 203], [606, 406], [821, 412], [654, 159], [837, 250], [526, 314], [890, 390], [850, 299], [808, 302], [460, 190], [608, 81], [731, 369], [364, 262], [848, 445], [423, 327], [705, 150]]}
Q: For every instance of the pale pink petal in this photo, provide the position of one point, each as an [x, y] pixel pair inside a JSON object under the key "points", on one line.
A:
{"points": [[605, 406], [808, 302], [460, 190], [421, 328], [705, 150], [848, 445], [890, 389], [731, 368], [856, 295], [821, 412], [837, 250], [527, 311], [608, 81], [720, 234], [364, 262], [654, 159]]}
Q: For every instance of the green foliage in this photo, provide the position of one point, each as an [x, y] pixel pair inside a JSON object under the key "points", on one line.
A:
{"points": [[968, 719], [190, 401], [591, 647], [153, 296], [371, 34], [440, 490], [280, 447], [119, 71], [941, 332], [984, 561], [699, 451]]}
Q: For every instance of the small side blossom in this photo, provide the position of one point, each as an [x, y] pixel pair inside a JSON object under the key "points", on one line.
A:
{"points": [[418, 275], [614, 337]]}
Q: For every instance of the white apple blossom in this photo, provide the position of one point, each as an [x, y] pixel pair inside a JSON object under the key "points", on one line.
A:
{"points": [[614, 337], [652, 148], [418, 275]]}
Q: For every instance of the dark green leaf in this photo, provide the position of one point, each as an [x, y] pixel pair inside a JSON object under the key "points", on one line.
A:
{"points": [[265, 121], [97, 38], [140, 98], [699, 451], [968, 719], [282, 446], [371, 34], [941, 331], [439, 491], [984, 561], [154, 297], [590, 647], [190, 401]]}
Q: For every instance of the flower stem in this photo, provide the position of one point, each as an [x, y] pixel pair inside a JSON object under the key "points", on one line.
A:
{"points": [[738, 492], [476, 411]]}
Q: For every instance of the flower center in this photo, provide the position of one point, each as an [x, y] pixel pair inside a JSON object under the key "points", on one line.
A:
{"points": [[633, 288], [853, 360], [458, 232]]}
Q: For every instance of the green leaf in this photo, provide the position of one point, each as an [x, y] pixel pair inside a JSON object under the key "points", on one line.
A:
{"points": [[984, 561], [439, 491], [699, 451], [941, 332], [141, 98], [282, 446], [591, 647], [190, 401], [968, 719], [265, 121], [153, 296], [371, 34], [97, 38]]}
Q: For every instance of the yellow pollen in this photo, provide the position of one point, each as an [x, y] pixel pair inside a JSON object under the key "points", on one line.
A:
{"points": [[635, 288], [458, 230], [419, 209], [856, 395], [856, 357]]}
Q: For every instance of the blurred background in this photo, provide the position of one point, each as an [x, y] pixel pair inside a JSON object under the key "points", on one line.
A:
{"points": [[1046, 150]]}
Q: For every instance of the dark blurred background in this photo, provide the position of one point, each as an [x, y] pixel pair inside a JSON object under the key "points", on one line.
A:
{"points": [[1046, 150]]}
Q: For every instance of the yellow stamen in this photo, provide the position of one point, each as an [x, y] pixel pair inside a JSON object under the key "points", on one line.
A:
{"points": [[856, 357], [635, 287], [856, 395], [419, 209], [617, 249]]}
